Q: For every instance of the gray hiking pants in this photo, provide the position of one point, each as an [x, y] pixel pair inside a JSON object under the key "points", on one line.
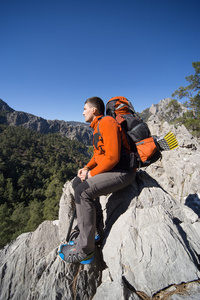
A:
{"points": [[85, 193]]}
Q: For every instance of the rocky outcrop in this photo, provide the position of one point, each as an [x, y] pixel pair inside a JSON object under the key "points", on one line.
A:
{"points": [[30, 269], [165, 110], [179, 170], [5, 107]]}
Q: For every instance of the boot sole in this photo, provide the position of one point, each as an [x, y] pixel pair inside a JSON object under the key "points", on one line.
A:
{"points": [[87, 260]]}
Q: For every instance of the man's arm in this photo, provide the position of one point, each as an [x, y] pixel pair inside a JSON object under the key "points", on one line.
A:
{"points": [[91, 164]]}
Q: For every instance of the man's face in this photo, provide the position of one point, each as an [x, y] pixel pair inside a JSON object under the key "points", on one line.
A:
{"points": [[88, 113]]}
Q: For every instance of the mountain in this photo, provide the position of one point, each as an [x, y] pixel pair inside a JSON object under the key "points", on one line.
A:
{"points": [[4, 107], [166, 110], [151, 248], [73, 130]]}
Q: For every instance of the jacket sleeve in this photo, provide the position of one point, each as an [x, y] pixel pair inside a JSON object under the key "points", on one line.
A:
{"points": [[91, 164], [111, 135]]}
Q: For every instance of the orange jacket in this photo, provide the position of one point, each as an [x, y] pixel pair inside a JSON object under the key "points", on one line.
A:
{"points": [[108, 151]]}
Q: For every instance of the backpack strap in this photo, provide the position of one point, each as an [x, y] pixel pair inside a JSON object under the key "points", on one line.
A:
{"points": [[97, 136], [101, 139]]}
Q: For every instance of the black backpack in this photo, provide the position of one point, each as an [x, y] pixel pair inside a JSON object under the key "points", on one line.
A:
{"points": [[143, 147]]}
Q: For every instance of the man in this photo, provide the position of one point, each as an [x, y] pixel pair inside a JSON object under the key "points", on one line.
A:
{"points": [[102, 175]]}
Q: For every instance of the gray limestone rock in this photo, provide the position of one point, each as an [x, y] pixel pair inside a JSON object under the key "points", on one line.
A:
{"points": [[147, 245], [66, 210], [179, 170], [152, 242], [31, 269], [163, 111]]}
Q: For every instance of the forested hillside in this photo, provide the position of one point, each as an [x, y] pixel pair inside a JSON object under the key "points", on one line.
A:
{"points": [[33, 169]]}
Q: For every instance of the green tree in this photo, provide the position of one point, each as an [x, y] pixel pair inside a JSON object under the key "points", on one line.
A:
{"points": [[174, 105], [191, 92], [90, 151], [19, 218], [51, 203], [9, 190], [2, 188], [6, 225], [35, 215]]}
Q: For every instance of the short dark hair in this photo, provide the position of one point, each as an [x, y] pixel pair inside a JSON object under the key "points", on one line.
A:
{"points": [[98, 103]]}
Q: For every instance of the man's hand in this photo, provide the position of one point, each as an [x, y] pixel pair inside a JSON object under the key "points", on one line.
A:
{"points": [[82, 174], [79, 173]]}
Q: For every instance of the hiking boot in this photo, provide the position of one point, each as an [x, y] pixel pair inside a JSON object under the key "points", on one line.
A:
{"points": [[99, 235], [73, 239], [69, 254]]}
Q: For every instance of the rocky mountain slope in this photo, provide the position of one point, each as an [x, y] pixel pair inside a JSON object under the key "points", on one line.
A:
{"points": [[165, 110], [152, 244], [72, 130]]}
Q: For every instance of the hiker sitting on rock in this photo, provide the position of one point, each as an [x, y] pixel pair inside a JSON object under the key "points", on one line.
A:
{"points": [[103, 174]]}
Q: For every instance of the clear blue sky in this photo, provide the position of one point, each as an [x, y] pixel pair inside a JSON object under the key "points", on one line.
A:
{"points": [[55, 54]]}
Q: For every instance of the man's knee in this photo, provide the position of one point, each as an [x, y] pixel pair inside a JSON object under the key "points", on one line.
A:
{"points": [[79, 190], [76, 182]]}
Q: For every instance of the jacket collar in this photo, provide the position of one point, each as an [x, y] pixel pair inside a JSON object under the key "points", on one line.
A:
{"points": [[95, 121]]}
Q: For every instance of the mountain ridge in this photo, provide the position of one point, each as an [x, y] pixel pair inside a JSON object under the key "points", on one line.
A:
{"points": [[72, 130], [5, 107]]}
